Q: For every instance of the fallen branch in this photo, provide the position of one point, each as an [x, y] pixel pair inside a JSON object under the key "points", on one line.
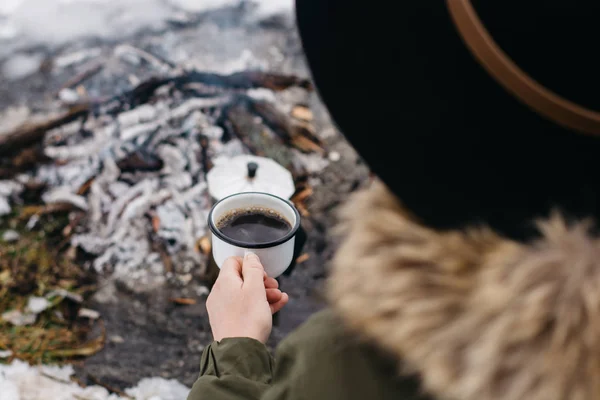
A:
{"points": [[183, 301], [55, 379], [302, 195], [303, 258], [83, 189], [83, 75]]}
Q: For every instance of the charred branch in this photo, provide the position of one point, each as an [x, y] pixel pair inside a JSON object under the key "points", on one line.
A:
{"points": [[258, 138], [30, 135], [298, 134]]}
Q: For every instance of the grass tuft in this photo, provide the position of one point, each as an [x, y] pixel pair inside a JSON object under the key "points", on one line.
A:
{"points": [[39, 264]]}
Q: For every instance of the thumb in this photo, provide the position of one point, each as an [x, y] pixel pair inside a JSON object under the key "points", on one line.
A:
{"points": [[253, 272]]}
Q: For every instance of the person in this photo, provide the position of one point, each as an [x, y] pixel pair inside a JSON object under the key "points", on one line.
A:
{"points": [[469, 270]]}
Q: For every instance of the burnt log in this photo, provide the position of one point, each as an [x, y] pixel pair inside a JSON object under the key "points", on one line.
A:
{"points": [[140, 160], [246, 80], [297, 134], [29, 135], [258, 138]]}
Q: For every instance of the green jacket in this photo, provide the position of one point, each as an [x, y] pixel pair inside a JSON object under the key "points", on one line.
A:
{"points": [[474, 315], [312, 363]]}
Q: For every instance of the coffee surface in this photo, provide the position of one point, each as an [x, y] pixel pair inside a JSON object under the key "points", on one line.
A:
{"points": [[254, 225]]}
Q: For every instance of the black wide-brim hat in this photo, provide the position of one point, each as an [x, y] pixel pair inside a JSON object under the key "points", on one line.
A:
{"points": [[472, 112]]}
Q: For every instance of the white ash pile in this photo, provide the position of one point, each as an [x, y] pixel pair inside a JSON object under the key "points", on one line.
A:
{"points": [[133, 167]]}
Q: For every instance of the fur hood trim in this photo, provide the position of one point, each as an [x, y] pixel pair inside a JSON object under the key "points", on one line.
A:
{"points": [[479, 317]]}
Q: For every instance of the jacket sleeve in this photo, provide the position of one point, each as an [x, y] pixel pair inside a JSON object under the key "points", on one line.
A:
{"points": [[233, 369], [319, 361], [242, 368], [309, 366]]}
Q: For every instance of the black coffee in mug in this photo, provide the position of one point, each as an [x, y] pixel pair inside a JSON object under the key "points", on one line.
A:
{"points": [[254, 225]]}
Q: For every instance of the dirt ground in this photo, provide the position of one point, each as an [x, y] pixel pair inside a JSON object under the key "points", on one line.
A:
{"points": [[148, 335]]}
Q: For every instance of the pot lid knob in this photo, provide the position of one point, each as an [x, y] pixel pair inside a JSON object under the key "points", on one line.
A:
{"points": [[252, 167]]}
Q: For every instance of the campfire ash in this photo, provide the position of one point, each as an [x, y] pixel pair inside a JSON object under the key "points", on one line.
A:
{"points": [[132, 168]]}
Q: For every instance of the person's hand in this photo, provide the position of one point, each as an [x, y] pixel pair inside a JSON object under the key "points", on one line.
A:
{"points": [[243, 300]]}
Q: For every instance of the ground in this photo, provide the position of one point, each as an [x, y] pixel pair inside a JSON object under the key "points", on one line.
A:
{"points": [[148, 335], [155, 337]]}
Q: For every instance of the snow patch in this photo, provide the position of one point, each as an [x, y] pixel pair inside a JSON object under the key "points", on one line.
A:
{"points": [[19, 381], [21, 66], [61, 21]]}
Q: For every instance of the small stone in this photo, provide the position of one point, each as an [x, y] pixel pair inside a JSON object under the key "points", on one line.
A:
{"points": [[334, 156], [87, 313], [21, 65], [68, 96], [116, 339], [10, 236], [262, 94], [37, 305], [302, 113], [17, 318], [185, 279], [33, 222], [71, 253], [315, 181], [9, 188], [4, 206], [5, 353], [202, 291], [328, 133]]}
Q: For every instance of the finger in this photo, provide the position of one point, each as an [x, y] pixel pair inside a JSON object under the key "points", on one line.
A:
{"points": [[274, 295], [280, 304], [231, 270], [253, 273], [271, 283]]}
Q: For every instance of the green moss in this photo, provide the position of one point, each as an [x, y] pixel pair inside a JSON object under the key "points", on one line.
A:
{"points": [[35, 265]]}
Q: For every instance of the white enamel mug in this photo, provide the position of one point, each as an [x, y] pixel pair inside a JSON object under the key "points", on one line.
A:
{"points": [[276, 256]]}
